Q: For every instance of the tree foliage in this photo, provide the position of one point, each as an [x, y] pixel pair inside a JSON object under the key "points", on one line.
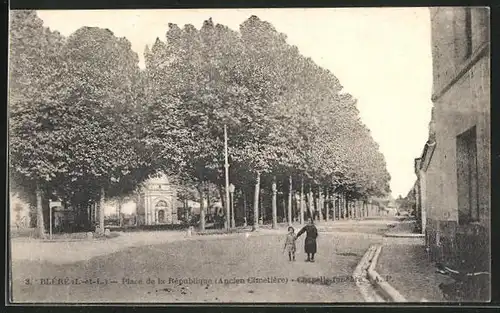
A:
{"points": [[84, 116]]}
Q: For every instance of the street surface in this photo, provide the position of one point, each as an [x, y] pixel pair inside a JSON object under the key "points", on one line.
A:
{"points": [[158, 268]]}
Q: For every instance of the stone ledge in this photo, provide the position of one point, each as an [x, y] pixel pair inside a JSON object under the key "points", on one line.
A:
{"points": [[404, 235], [386, 290]]}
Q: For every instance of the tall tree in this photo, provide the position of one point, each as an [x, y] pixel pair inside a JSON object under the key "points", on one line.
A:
{"points": [[33, 74]]}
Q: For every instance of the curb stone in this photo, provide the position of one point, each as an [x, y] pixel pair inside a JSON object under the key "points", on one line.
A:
{"points": [[360, 277], [387, 291], [404, 235]]}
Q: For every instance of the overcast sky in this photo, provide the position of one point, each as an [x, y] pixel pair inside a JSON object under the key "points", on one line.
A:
{"points": [[382, 56]]}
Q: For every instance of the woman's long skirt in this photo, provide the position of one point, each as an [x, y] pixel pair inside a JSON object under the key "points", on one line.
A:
{"points": [[310, 245]]}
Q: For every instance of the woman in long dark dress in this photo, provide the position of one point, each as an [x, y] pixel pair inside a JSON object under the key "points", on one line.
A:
{"points": [[310, 245]]}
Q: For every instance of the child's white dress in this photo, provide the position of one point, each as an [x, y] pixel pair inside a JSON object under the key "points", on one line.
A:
{"points": [[290, 243]]}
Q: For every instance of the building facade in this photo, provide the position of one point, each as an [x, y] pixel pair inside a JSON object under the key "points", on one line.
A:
{"points": [[454, 170], [20, 212], [158, 203], [420, 188]]}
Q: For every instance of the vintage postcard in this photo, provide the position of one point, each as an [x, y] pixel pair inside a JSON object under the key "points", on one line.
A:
{"points": [[326, 155]]}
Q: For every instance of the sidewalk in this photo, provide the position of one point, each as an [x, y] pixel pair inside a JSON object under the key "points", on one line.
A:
{"points": [[410, 272], [404, 229], [403, 258]]}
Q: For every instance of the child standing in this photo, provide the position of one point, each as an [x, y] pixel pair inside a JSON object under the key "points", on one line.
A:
{"points": [[290, 243]]}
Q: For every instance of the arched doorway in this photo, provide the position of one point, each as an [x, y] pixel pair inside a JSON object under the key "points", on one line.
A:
{"points": [[161, 207], [161, 216]]}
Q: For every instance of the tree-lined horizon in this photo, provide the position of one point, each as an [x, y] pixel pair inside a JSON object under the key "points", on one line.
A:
{"points": [[87, 123]]}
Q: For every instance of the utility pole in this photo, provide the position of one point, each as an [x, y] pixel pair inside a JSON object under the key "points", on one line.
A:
{"points": [[231, 191], [226, 165]]}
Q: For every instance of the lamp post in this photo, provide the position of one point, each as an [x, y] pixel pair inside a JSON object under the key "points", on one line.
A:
{"points": [[231, 191]]}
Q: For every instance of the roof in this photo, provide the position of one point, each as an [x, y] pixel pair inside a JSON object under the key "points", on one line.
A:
{"points": [[424, 161], [159, 179]]}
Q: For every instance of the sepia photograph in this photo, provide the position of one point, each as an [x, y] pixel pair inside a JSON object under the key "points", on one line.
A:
{"points": [[280, 155]]}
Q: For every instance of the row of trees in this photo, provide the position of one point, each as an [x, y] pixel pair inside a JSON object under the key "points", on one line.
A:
{"points": [[86, 121]]}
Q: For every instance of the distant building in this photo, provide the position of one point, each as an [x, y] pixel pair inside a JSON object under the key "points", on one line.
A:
{"points": [[417, 193], [454, 170], [158, 203], [391, 208]]}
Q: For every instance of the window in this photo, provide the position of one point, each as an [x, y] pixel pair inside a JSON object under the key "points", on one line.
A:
{"points": [[480, 18], [468, 208], [462, 28], [468, 33]]}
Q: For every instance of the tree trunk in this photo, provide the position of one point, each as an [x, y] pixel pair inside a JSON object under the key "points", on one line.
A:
{"points": [[285, 217], [274, 204], [339, 206], [315, 204], [256, 203], [321, 203], [208, 199], [349, 208], [185, 210], [245, 207], [290, 221], [120, 212], [334, 203], [347, 203], [284, 200], [342, 206], [263, 207], [101, 211], [40, 226], [301, 217], [307, 209], [327, 213], [202, 206], [222, 197], [311, 203]]}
